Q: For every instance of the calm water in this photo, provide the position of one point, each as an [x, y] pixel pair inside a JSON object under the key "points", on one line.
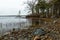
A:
{"points": [[7, 23]]}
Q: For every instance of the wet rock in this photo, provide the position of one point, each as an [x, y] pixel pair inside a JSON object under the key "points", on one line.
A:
{"points": [[38, 31]]}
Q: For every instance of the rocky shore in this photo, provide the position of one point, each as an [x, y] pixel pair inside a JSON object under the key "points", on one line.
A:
{"points": [[44, 33]]}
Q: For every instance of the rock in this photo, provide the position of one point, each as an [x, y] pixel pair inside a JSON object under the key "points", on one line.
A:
{"points": [[38, 31], [37, 38]]}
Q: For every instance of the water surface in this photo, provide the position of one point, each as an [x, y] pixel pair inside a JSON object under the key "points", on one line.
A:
{"points": [[8, 23]]}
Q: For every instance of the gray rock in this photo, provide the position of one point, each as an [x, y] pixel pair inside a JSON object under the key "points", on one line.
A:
{"points": [[38, 31]]}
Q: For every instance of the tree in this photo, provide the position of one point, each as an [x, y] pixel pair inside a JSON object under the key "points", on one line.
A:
{"points": [[31, 5], [41, 6], [53, 8], [57, 8], [48, 6]]}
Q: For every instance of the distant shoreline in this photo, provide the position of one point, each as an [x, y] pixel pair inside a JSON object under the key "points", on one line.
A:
{"points": [[11, 15]]}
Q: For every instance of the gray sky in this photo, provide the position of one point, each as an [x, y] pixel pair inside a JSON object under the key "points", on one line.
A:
{"points": [[12, 7]]}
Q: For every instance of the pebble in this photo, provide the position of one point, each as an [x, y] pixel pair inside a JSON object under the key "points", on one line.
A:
{"points": [[32, 34]]}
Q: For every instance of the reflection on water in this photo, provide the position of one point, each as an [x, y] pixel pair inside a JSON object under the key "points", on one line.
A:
{"points": [[7, 23]]}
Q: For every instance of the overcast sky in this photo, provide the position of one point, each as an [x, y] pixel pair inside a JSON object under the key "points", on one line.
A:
{"points": [[12, 7]]}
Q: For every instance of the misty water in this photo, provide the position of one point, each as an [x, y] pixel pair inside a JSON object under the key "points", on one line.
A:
{"points": [[8, 23]]}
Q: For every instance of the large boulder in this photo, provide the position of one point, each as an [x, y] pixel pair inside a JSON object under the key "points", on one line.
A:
{"points": [[38, 31]]}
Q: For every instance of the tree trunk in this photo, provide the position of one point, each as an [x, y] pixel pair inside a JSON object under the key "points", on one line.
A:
{"points": [[47, 14], [43, 12], [32, 10]]}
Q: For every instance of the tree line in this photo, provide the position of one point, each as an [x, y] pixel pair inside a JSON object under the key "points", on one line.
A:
{"points": [[44, 8]]}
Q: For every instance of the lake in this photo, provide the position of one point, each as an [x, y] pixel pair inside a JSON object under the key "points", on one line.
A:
{"points": [[8, 23]]}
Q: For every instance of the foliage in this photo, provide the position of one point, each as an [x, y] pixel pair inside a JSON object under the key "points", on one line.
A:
{"points": [[41, 6]]}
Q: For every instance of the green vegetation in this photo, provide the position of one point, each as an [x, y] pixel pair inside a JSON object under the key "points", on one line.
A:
{"points": [[49, 9]]}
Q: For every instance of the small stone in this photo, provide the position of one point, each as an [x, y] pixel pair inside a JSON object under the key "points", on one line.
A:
{"points": [[37, 38]]}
